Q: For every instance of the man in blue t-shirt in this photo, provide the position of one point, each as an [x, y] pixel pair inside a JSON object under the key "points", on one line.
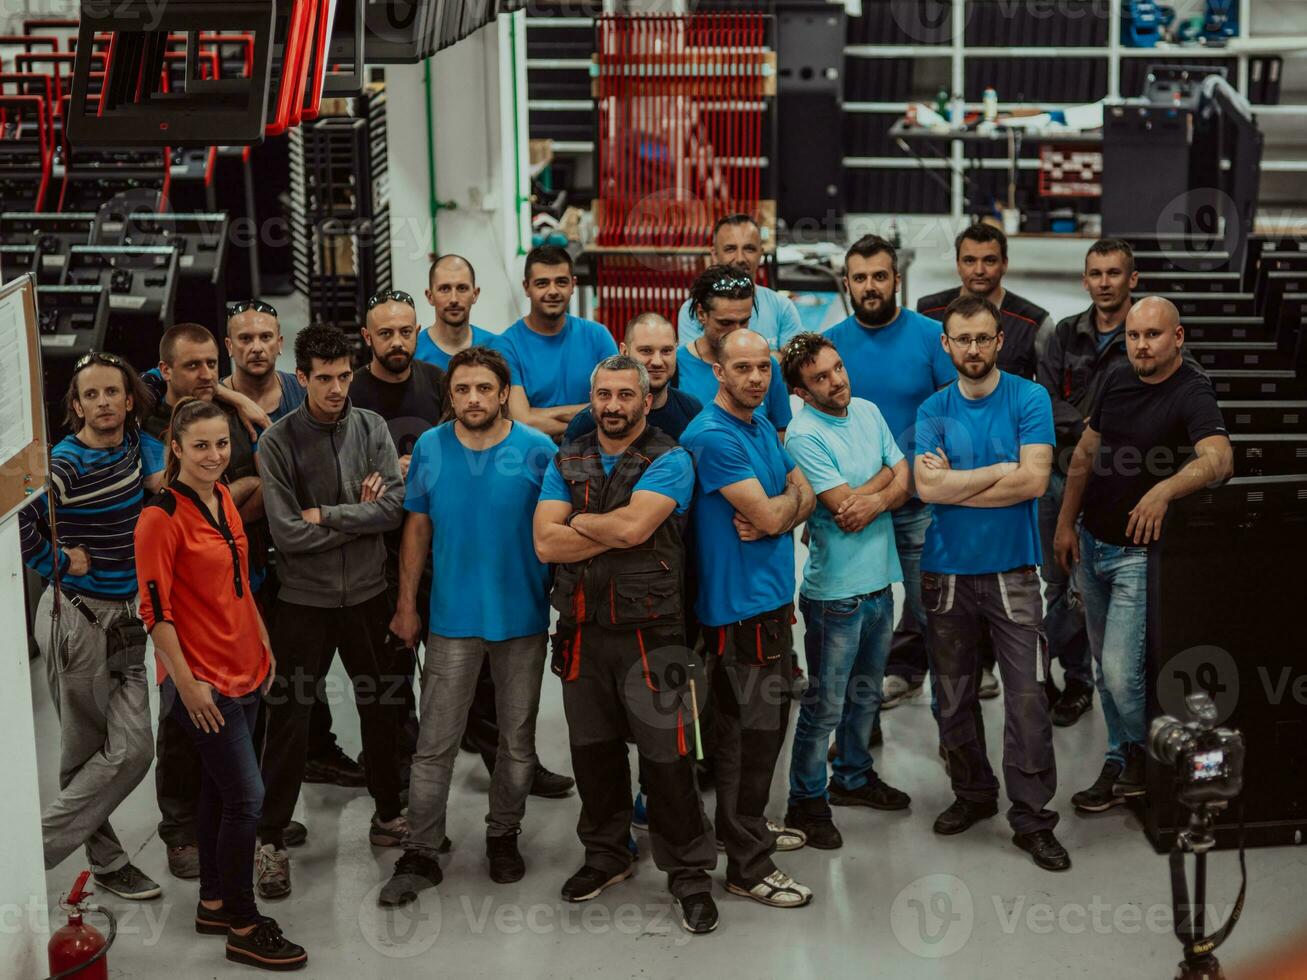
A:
{"points": [[984, 451], [611, 517], [845, 449], [894, 360], [737, 242], [749, 496], [550, 352], [489, 600], [722, 300], [452, 291]]}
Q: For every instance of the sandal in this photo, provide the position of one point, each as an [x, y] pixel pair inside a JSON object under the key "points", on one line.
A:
{"points": [[778, 890]]}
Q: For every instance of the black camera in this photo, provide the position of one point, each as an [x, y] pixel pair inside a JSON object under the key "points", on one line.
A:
{"points": [[1208, 760]]}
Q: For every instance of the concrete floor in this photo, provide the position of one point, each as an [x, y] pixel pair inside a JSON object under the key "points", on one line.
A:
{"points": [[896, 901]]}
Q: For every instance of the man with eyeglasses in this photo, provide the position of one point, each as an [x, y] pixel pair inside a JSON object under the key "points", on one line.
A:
{"points": [[452, 291], [984, 449], [737, 242], [550, 352], [93, 644]]}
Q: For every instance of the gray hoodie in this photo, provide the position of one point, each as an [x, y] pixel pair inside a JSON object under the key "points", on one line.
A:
{"points": [[306, 463]]}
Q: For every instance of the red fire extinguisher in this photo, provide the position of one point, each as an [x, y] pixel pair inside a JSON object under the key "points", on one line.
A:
{"points": [[76, 949]]}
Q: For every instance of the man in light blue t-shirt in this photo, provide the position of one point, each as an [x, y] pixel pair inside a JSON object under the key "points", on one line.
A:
{"points": [[471, 490], [737, 242], [550, 352], [983, 455], [846, 450], [452, 291]]}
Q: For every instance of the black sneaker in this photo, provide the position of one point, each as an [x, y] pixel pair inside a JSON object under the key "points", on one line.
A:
{"points": [[1131, 781], [129, 882], [295, 834], [335, 768], [506, 864], [211, 922], [877, 794], [698, 913], [1100, 796], [1076, 698], [414, 872], [265, 947], [814, 819], [1045, 849], [962, 815], [550, 785], [589, 882]]}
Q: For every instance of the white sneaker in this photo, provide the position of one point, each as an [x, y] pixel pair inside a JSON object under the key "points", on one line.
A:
{"points": [[894, 690], [272, 872], [787, 838], [778, 890], [988, 685]]}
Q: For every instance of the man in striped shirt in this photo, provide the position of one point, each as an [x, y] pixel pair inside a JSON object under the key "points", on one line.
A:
{"points": [[95, 661]]}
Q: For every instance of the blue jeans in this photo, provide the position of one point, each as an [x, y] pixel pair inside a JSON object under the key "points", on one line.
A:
{"points": [[847, 644], [231, 799], [1113, 582], [908, 649], [1064, 616]]}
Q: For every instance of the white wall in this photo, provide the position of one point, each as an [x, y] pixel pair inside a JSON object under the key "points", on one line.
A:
{"points": [[22, 885]]}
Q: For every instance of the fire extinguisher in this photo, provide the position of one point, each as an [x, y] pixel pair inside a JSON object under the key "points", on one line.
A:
{"points": [[76, 949]]}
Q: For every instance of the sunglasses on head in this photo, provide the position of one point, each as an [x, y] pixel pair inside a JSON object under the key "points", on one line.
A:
{"points": [[730, 283], [387, 295], [257, 305], [98, 357]]}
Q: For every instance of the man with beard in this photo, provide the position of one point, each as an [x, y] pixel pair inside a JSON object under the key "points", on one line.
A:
{"points": [[1152, 411], [894, 360], [737, 242], [489, 606], [550, 352], [99, 476], [1082, 352], [650, 339], [983, 454], [254, 343], [611, 513], [451, 291], [722, 300], [981, 252], [846, 450], [749, 496]]}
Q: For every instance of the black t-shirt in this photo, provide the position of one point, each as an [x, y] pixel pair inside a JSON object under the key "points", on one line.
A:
{"points": [[1148, 432], [672, 418]]}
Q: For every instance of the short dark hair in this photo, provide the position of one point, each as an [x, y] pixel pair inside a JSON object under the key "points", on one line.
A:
{"points": [[142, 400], [1106, 246], [546, 255], [478, 356], [980, 233], [431, 273], [730, 220], [324, 342], [967, 306], [719, 282], [869, 245], [194, 332], [801, 351]]}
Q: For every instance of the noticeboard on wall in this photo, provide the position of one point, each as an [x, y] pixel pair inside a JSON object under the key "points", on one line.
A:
{"points": [[23, 453]]}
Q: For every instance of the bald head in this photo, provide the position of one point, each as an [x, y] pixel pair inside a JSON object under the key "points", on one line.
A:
{"points": [[743, 371], [649, 323], [1154, 338], [454, 264], [744, 344], [451, 291], [1155, 311], [651, 340]]}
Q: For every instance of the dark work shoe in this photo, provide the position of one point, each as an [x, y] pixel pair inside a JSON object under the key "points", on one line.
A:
{"points": [[962, 814], [698, 913], [129, 882], [550, 785], [506, 864], [814, 819], [184, 861], [295, 834], [877, 794], [895, 690], [1131, 781], [589, 882], [388, 833], [335, 768], [211, 922], [1075, 700], [1100, 796], [264, 946], [1045, 849], [414, 872]]}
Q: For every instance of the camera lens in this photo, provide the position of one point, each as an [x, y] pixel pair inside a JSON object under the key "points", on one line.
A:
{"points": [[1167, 739]]}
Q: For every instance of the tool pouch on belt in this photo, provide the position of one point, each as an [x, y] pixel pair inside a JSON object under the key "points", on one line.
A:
{"points": [[761, 640], [125, 645]]}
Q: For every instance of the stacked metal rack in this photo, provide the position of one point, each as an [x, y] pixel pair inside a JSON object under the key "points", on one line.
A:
{"points": [[341, 197]]}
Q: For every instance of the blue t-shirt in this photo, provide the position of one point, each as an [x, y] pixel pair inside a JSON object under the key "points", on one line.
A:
{"points": [[895, 367], [974, 433], [555, 370], [428, 351], [696, 378], [832, 451], [774, 316], [488, 582], [671, 474], [1103, 339], [671, 418], [737, 579]]}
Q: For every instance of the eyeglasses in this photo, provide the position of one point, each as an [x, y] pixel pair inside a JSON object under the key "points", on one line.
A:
{"points": [[258, 306], [985, 341], [98, 357], [388, 295]]}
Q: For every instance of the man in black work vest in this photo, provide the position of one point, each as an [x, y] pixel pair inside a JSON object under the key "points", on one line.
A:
{"points": [[611, 515]]}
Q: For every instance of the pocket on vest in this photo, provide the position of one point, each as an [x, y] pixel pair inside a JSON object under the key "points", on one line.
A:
{"points": [[637, 598]]}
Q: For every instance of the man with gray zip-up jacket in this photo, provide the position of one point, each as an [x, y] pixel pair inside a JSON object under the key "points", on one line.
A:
{"points": [[331, 489]]}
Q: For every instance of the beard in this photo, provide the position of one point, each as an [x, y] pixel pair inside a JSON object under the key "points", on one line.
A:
{"points": [[395, 361], [615, 425], [879, 315], [976, 370], [478, 424]]}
